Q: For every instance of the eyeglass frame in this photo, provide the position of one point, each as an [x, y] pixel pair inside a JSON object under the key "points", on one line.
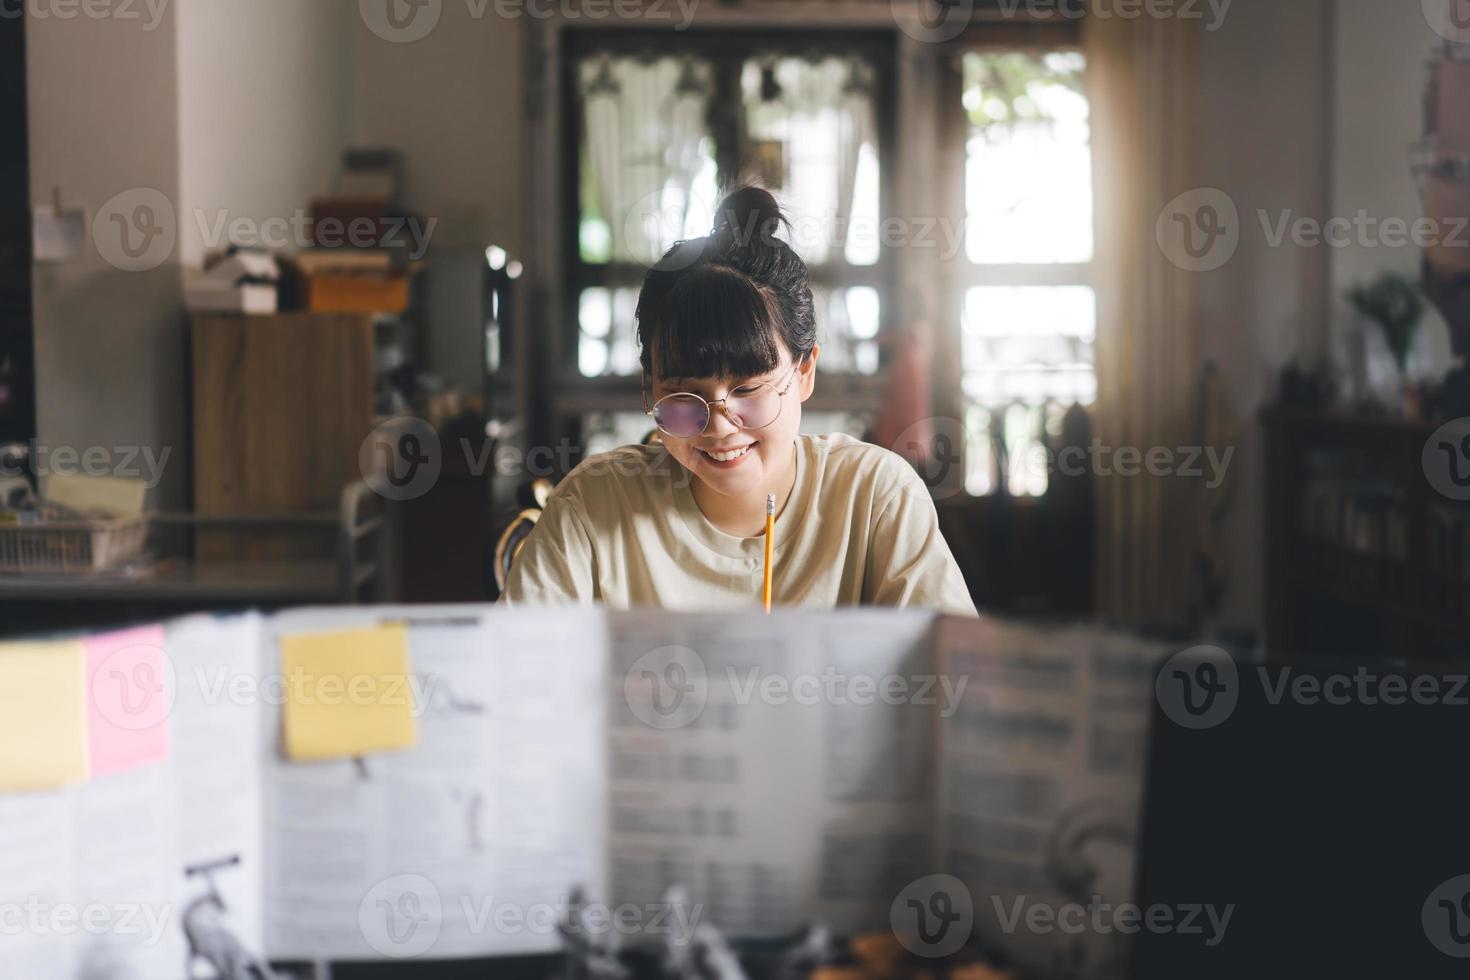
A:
{"points": [[710, 405]]}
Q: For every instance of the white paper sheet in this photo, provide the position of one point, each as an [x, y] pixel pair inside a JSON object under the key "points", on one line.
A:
{"points": [[1042, 780], [778, 787], [468, 844]]}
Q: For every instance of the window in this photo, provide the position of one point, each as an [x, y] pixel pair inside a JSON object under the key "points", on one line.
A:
{"points": [[661, 124], [1027, 310]]}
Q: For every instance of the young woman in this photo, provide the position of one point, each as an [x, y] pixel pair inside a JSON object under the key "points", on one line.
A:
{"points": [[729, 354]]}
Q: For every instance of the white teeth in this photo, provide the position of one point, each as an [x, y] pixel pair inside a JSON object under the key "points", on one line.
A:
{"points": [[727, 457]]}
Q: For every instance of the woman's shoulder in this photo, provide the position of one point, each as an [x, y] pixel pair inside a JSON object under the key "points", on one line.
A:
{"points": [[843, 460], [618, 472]]}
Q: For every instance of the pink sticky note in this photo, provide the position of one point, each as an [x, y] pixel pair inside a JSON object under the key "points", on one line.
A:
{"points": [[129, 699]]}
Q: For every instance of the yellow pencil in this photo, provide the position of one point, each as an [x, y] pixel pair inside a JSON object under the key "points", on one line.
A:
{"points": [[770, 549]]}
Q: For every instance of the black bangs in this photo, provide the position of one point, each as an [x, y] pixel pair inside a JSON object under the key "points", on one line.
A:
{"points": [[709, 322]]}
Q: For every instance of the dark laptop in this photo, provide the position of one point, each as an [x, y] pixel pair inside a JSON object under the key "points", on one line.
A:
{"points": [[1333, 824]]}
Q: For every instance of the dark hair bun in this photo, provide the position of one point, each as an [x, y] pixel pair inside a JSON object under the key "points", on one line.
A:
{"points": [[748, 215]]}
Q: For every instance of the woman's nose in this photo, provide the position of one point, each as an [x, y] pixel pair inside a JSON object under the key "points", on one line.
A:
{"points": [[720, 421]]}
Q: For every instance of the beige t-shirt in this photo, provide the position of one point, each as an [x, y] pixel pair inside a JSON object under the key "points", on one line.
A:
{"points": [[623, 529]]}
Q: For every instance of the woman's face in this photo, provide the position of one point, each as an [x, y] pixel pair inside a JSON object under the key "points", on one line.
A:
{"points": [[727, 458]]}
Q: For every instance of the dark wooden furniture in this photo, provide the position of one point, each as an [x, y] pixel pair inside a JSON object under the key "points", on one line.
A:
{"points": [[17, 345], [1364, 559]]}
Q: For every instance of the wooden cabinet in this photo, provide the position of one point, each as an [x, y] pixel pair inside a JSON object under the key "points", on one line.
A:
{"points": [[281, 406]]}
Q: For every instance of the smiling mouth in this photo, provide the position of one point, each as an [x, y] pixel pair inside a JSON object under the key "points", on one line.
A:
{"points": [[728, 457]]}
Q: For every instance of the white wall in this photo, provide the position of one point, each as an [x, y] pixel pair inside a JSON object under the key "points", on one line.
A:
{"points": [[1265, 129], [217, 105], [1381, 53], [262, 87], [453, 102], [109, 343]]}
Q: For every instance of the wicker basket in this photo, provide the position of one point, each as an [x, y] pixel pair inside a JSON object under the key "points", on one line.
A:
{"points": [[67, 544]]}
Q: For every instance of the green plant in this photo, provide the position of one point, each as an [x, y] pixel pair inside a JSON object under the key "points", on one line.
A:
{"points": [[1394, 303]]}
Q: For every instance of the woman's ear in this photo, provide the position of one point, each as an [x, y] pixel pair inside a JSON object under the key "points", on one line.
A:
{"points": [[808, 372]]}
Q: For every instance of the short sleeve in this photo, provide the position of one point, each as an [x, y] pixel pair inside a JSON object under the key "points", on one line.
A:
{"points": [[909, 562], [555, 565]]}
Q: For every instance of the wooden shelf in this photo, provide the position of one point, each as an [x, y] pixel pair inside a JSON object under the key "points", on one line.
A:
{"points": [[1353, 564]]}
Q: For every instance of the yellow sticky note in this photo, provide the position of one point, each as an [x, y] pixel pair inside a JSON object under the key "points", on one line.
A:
{"points": [[347, 693], [43, 715]]}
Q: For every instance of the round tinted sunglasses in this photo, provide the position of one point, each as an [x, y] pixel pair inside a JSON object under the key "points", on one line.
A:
{"points": [[751, 406]]}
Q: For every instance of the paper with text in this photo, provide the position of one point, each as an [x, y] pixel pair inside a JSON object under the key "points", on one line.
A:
{"points": [[469, 843], [758, 762], [1041, 781]]}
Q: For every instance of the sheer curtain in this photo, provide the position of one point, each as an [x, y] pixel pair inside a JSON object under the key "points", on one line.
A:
{"points": [[824, 114], [645, 126], [1142, 76]]}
